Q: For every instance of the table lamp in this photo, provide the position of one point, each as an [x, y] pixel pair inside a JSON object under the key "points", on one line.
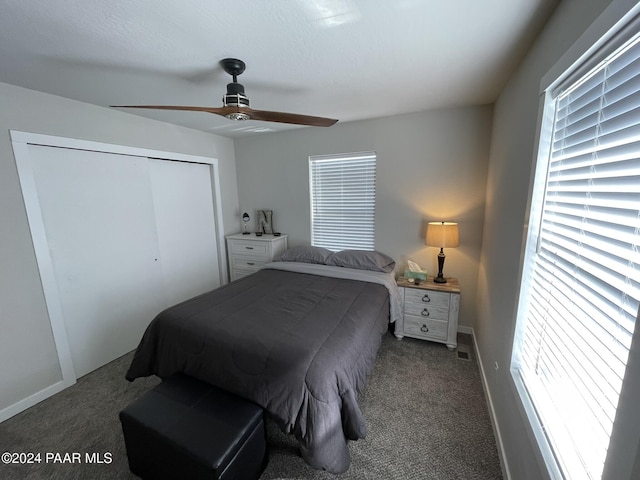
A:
{"points": [[442, 234], [245, 220]]}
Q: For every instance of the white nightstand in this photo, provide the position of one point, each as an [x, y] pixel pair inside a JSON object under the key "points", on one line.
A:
{"points": [[247, 253], [430, 311]]}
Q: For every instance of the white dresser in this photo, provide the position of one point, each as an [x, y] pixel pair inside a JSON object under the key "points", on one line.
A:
{"points": [[247, 253], [430, 311]]}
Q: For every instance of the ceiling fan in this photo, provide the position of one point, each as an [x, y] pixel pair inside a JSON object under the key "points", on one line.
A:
{"points": [[235, 104]]}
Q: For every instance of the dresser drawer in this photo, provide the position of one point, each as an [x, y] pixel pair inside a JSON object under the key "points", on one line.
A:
{"points": [[242, 272], [425, 328], [248, 262], [253, 249], [426, 297]]}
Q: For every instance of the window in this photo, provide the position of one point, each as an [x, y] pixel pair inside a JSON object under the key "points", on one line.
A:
{"points": [[343, 191], [581, 275]]}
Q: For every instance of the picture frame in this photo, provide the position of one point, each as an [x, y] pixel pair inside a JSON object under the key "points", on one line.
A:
{"points": [[265, 221]]}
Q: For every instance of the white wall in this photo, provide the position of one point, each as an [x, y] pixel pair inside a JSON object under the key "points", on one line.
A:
{"points": [[430, 166], [513, 147], [28, 361]]}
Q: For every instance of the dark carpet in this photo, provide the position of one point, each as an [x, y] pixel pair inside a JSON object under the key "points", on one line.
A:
{"points": [[425, 409]]}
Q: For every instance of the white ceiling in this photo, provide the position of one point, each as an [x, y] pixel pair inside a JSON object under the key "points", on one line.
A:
{"points": [[344, 59]]}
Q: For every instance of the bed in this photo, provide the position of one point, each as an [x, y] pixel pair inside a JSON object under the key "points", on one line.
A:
{"points": [[298, 338]]}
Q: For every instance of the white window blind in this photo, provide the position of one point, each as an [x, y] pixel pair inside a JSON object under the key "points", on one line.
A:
{"points": [[581, 278], [343, 190]]}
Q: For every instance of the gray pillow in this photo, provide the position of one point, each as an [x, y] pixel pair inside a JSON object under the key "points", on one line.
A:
{"points": [[362, 260], [305, 254]]}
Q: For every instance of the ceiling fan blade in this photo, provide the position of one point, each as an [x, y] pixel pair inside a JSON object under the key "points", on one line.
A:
{"points": [[232, 112], [217, 110], [294, 118], [262, 115]]}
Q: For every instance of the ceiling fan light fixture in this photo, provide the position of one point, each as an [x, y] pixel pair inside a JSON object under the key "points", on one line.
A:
{"points": [[238, 116]]}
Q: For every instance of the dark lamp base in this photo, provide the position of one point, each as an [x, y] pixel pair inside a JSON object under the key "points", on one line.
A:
{"points": [[440, 278]]}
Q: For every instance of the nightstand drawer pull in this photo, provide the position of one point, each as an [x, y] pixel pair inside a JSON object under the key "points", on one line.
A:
{"points": [[426, 298], [425, 312], [424, 328], [250, 263], [249, 248]]}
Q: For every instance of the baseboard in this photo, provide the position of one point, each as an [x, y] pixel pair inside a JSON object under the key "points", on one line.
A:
{"points": [[492, 413], [33, 399]]}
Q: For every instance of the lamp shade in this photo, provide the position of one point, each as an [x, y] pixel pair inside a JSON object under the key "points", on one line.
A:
{"points": [[442, 234]]}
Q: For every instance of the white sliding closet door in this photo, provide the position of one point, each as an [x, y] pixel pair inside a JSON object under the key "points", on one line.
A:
{"points": [[119, 233], [127, 236], [185, 224], [98, 216]]}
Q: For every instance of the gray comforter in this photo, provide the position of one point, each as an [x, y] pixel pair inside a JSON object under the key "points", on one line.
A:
{"points": [[300, 345]]}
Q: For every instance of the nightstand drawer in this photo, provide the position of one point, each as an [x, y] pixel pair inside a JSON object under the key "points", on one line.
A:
{"points": [[253, 249], [426, 297], [427, 311], [425, 328]]}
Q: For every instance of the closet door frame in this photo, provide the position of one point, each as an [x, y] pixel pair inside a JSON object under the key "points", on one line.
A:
{"points": [[20, 142]]}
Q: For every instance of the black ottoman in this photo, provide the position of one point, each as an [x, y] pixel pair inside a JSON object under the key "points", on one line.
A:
{"points": [[184, 428]]}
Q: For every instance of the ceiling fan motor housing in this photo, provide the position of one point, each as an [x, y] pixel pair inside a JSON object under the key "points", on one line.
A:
{"points": [[235, 97]]}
